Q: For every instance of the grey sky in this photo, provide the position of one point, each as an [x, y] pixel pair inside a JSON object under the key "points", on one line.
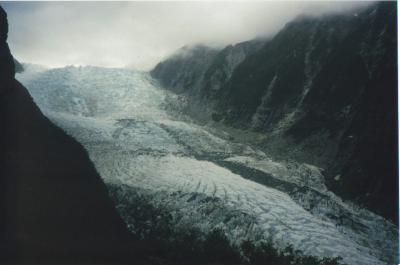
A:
{"points": [[139, 34]]}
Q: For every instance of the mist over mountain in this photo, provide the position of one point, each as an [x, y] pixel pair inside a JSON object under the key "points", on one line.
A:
{"points": [[323, 91], [253, 143], [140, 34]]}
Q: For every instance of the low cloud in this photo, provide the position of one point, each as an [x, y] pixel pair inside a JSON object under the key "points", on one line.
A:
{"points": [[140, 34]]}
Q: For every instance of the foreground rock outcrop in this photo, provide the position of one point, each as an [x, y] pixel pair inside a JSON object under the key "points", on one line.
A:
{"points": [[55, 208], [18, 66], [323, 91]]}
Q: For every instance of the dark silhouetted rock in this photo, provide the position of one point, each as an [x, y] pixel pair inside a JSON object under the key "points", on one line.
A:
{"points": [[18, 66], [54, 206], [6, 60]]}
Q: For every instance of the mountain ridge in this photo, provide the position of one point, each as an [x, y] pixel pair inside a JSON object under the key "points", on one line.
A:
{"points": [[310, 90]]}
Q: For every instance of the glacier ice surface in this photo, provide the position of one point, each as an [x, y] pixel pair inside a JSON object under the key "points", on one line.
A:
{"points": [[119, 116]]}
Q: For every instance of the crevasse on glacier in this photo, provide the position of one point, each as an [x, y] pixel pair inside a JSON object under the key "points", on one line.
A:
{"points": [[124, 121]]}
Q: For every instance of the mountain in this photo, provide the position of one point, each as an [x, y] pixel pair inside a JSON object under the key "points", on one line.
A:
{"points": [[323, 91], [55, 207], [183, 71], [224, 63], [198, 72]]}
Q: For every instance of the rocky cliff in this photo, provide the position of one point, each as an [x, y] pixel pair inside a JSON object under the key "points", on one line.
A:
{"points": [[183, 71], [322, 91], [201, 71], [55, 207], [198, 72]]}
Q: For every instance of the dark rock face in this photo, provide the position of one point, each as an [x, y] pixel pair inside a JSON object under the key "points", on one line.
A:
{"points": [[18, 66], [368, 147], [6, 60], [201, 71], [55, 207], [324, 90], [184, 70], [224, 63]]}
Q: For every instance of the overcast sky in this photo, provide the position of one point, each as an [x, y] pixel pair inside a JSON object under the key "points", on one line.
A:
{"points": [[139, 34]]}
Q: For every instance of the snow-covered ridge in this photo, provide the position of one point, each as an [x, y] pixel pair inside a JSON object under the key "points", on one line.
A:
{"points": [[119, 117]]}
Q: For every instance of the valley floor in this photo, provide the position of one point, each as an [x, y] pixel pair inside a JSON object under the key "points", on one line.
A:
{"points": [[169, 176]]}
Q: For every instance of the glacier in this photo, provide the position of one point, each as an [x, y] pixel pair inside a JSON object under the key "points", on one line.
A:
{"points": [[137, 139]]}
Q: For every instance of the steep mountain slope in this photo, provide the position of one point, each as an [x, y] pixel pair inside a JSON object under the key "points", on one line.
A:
{"points": [[323, 91], [183, 71], [224, 63], [55, 207], [200, 70]]}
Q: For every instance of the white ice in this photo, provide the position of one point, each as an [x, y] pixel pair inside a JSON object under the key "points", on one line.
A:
{"points": [[119, 116]]}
